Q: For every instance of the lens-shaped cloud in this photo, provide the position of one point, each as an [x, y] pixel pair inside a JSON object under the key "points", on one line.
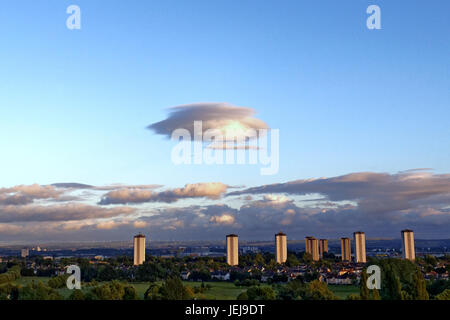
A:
{"points": [[219, 118]]}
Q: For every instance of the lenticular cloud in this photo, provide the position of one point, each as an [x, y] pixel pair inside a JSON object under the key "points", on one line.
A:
{"points": [[220, 116]]}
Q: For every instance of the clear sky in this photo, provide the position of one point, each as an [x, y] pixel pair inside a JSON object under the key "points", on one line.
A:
{"points": [[75, 104]]}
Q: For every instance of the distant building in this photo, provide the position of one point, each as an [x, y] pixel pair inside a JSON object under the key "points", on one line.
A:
{"points": [[360, 247], [346, 253], [232, 250], [139, 249], [220, 275], [312, 247], [185, 275], [250, 249], [38, 248], [281, 247], [24, 252], [323, 247], [408, 245]]}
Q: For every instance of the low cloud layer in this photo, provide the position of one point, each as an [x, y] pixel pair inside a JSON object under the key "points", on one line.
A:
{"points": [[25, 194], [380, 204], [212, 190], [374, 192], [63, 212]]}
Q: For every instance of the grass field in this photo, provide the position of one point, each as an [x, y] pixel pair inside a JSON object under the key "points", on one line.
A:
{"points": [[218, 291], [342, 291]]}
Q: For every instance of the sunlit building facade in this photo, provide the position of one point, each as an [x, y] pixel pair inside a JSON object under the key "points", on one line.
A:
{"points": [[408, 245], [232, 250], [312, 247], [360, 247], [323, 247], [281, 247], [139, 249], [346, 253]]}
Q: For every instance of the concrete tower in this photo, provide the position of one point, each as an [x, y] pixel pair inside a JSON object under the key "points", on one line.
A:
{"points": [[346, 252], [408, 245], [323, 247], [281, 247], [139, 249], [312, 247], [232, 250], [360, 247]]}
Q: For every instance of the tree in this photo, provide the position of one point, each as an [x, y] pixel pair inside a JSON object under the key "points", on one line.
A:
{"points": [[260, 293], [76, 294], [259, 260], [38, 291], [130, 293], [363, 289], [293, 290], [317, 290], [375, 294], [58, 281], [152, 293], [393, 287], [292, 260], [307, 258], [431, 260], [113, 290], [419, 289], [173, 289], [444, 295]]}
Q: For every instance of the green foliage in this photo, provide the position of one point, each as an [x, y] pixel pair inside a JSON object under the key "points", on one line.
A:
{"points": [[307, 258], [259, 260], [436, 287], [58, 282], [317, 290], [242, 296], [419, 290], [113, 290], [76, 294], [151, 272], [200, 275], [171, 289], [130, 293], [444, 295], [12, 274], [401, 279], [431, 260], [293, 290], [375, 295], [9, 291], [27, 272], [363, 289], [38, 291], [246, 283], [153, 293], [292, 260], [260, 293]]}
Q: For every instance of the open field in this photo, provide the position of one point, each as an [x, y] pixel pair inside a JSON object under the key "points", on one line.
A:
{"points": [[342, 291]]}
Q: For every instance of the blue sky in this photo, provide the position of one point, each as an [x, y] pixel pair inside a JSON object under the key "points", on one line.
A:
{"points": [[75, 104]]}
